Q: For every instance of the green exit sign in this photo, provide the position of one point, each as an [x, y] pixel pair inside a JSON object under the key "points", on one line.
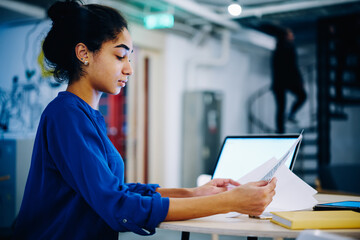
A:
{"points": [[162, 20]]}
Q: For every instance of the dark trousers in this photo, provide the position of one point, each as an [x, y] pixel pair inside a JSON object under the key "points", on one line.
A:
{"points": [[280, 100]]}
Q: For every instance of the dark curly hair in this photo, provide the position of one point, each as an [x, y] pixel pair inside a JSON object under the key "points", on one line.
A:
{"points": [[74, 23]]}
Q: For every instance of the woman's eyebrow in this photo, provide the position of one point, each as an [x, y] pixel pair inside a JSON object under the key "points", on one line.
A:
{"points": [[123, 46]]}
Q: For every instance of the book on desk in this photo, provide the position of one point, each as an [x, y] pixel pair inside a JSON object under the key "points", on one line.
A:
{"points": [[298, 220]]}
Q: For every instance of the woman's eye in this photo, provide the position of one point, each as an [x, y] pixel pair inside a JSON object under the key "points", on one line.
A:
{"points": [[120, 58]]}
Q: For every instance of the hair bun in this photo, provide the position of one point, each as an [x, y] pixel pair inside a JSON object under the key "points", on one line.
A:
{"points": [[60, 10]]}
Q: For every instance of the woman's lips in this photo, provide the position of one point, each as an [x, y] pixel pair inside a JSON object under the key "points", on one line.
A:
{"points": [[122, 82]]}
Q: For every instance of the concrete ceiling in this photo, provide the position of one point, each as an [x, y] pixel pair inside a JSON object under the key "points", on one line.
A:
{"points": [[194, 15]]}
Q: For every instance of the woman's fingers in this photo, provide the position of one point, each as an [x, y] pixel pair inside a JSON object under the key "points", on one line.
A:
{"points": [[223, 182]]}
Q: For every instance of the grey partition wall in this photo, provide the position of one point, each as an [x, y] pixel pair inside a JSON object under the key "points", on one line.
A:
{"points": [[15, 157], [201, 134]]}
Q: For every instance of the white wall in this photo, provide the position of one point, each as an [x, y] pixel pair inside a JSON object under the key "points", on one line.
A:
{"points": [[237, 79]]}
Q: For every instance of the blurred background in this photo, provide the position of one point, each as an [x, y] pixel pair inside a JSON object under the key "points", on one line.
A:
{"points": [[202, 71]]}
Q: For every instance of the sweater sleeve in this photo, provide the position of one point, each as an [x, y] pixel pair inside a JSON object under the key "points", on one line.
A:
{"points": [[81, 158]]}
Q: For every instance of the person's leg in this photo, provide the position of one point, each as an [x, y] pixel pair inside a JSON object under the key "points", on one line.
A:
{"points": [[300, 96], [280, 110]]}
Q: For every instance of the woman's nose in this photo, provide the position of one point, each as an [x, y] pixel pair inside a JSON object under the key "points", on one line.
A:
{"points": [[128, 69]]}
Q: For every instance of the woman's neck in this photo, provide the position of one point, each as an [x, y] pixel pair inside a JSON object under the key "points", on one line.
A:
{"points": [[85, 92]]}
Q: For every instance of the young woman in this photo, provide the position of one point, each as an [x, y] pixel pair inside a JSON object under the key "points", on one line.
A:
{"points": [[75, 187]]}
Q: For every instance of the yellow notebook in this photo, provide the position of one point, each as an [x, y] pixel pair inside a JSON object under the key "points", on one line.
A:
{"points": [[317, 219]]}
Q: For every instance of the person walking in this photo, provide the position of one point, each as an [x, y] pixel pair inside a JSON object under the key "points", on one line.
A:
{"points": [[286, 77]]}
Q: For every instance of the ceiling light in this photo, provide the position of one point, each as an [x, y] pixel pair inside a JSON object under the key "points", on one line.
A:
{"points": [[234, 9]]}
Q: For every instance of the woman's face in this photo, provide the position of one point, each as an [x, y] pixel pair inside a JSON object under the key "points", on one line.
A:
{"points": [[109, 68]]}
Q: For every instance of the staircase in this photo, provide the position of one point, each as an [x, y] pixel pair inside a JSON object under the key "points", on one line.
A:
{"points": [[338, 100], [306, 165], [335, 96]]}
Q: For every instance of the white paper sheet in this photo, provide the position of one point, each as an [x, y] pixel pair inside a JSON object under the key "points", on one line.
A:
{"points": [[282, 160], [292, 193]]}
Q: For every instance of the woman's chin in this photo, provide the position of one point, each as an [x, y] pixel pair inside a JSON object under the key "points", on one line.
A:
{"points": [[116, 91]]}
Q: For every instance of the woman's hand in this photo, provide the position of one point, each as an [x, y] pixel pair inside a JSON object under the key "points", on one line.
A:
{"points": [[215, 186], [252, 198]]}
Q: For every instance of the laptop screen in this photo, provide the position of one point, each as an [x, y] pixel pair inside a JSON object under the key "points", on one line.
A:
{"points": [[242, 154]]}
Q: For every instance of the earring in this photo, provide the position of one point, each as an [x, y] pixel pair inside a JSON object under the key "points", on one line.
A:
{"points": [[86, 63]]}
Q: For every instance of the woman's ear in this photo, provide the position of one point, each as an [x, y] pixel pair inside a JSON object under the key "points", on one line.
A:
{"points": [[82, 53]]}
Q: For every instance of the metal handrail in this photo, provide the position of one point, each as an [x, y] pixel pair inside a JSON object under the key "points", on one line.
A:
{"points": [[252, 119]]}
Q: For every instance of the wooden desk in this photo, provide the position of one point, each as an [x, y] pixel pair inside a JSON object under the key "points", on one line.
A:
{"points": [[249, 227]]}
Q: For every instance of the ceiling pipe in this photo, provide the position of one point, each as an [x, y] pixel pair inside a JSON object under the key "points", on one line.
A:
{"points": [[197, 9], [124, 8], [256, 38], [24, 8], [200, 35], [286, 7], [214, 61]]}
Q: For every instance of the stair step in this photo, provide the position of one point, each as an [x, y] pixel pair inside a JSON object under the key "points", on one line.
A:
{"points": [[306, 172], [309, 135], [352, 84], [306, 164], [346, 100], [309, 142], [308, 150], [338, 116], [308, 156], [310, 179]]}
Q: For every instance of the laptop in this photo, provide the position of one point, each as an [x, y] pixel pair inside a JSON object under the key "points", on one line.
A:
{"points": [[241, 154]]}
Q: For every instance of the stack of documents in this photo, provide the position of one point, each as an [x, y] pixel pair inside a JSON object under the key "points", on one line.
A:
{"points": [[292, 193]]}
